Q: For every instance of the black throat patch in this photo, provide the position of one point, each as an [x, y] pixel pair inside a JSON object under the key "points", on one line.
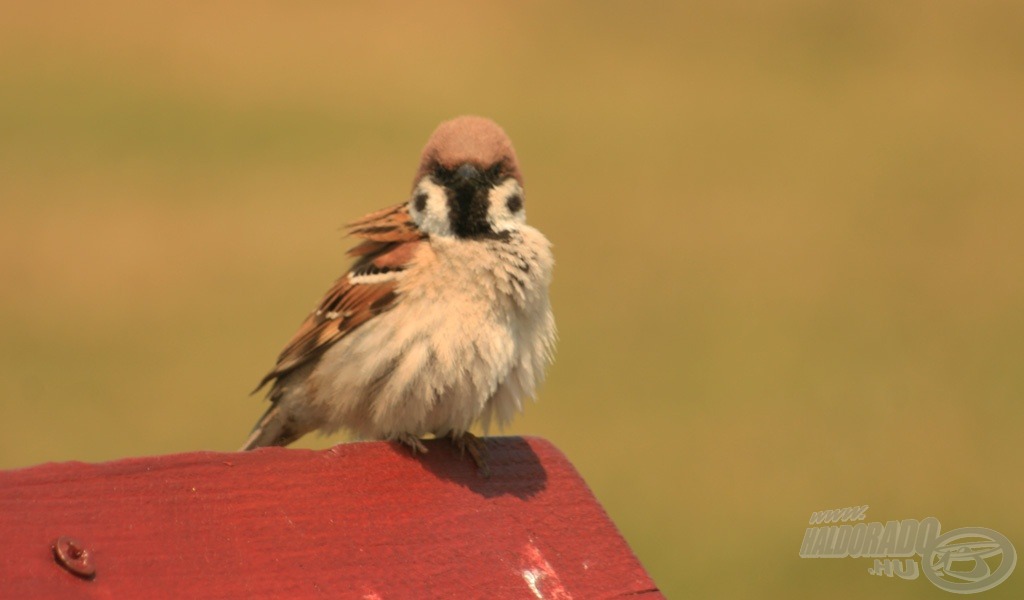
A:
{"points": [[467, 187], [467, 211]]}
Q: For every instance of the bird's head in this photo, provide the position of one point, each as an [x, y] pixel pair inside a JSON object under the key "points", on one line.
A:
{"points": [[468, 184]]}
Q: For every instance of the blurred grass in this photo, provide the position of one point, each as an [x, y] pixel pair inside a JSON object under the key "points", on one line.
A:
{"points": [[788, 239]]}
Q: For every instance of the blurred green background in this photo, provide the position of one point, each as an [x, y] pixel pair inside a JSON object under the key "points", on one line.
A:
{"points": [[788, 238]]}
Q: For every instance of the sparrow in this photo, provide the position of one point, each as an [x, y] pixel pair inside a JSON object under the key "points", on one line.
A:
{"points": [[443, 320]]}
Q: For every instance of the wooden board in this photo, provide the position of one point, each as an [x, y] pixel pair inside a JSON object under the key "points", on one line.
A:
{"points": [[364, 520]]}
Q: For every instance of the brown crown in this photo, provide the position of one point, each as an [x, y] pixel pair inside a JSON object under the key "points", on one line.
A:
{"points": [[469, 139]]}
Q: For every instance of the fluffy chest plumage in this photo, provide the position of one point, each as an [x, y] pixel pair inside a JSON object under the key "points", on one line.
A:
{"points": [[469, 335]]}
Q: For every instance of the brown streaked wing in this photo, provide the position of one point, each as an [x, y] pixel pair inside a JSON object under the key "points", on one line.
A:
{"points": [[391, 238], [389, 225], [343, 308]]}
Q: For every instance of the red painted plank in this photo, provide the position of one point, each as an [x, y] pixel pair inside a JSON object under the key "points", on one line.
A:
{"points": [[365, 520]]}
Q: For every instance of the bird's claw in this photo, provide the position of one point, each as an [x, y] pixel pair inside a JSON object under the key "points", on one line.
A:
{"points": [[413, 442], [477, 448]]}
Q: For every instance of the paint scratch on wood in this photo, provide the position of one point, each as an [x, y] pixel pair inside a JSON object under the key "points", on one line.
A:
{"points": [[542, 580]]}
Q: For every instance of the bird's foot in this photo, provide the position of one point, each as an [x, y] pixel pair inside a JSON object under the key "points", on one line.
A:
{"points": [[477, 448], [413, 442]]}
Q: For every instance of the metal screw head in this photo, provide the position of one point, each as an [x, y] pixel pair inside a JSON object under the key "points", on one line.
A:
{"points": [[74, 557]]}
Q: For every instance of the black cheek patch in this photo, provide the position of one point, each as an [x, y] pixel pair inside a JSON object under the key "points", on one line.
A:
{"points": [[514, 203], [420, 202]]}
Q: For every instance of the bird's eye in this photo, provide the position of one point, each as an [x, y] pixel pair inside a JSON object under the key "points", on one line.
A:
{"points": [[441, 175], [420, 202], [494, 172], [514, 203]]}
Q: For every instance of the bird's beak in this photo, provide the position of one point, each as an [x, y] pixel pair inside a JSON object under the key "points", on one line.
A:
{"points": [[467, 175]]}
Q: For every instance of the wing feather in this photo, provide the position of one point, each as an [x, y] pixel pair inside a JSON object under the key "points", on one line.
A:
{"points": [[390, 241]]}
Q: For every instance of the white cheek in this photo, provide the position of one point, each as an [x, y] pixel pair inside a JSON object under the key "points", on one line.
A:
{"points": [[434, 218], [498, 214]]}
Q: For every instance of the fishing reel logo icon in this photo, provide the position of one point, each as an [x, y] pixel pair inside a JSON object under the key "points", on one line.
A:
{"points": [[968, 560]]}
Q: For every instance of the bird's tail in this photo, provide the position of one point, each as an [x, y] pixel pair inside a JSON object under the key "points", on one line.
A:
{"points": [[273, 429]]}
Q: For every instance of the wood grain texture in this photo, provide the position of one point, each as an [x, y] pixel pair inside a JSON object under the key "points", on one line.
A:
{"points": [[363, 520]]}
